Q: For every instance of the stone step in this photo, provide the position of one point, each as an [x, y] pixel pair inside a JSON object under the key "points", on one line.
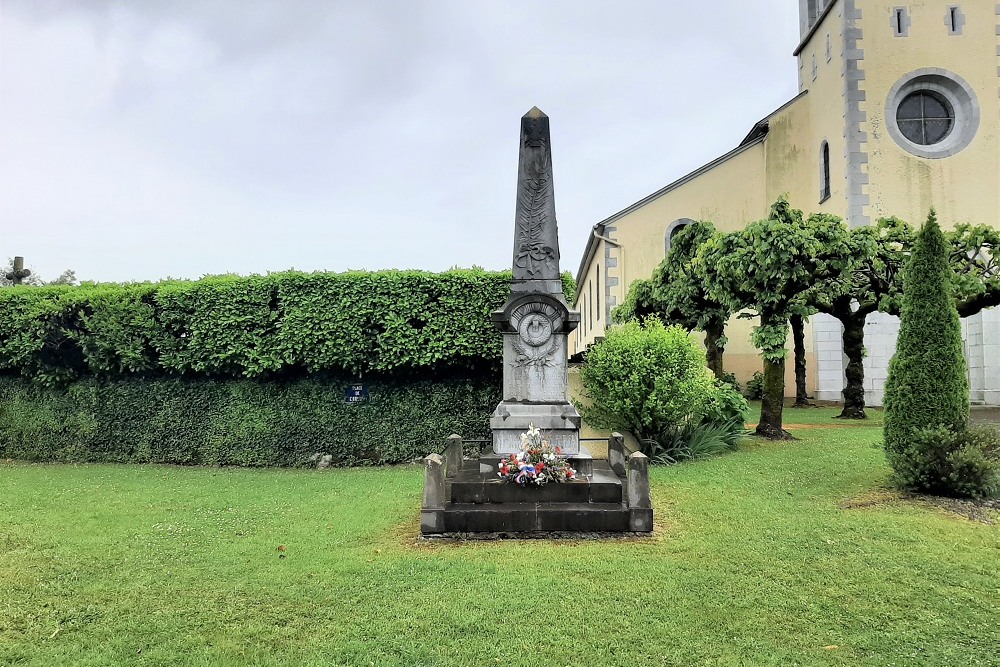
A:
{"points": [[475, 486], [528, 517]]}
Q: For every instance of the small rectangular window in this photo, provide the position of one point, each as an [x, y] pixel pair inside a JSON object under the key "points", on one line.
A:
{"points": [[829, 49], [900, 22], [598, 292], [954, 19], [815, 69]]}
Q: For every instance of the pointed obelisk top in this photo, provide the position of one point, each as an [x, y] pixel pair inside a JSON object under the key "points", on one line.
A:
{"points": [[536, 238]]}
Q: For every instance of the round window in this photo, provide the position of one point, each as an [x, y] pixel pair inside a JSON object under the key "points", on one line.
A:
{"points": [[932, 113], [925, 118]]}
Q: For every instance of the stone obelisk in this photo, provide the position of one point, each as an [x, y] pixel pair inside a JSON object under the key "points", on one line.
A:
{"points": [[536, 320]]}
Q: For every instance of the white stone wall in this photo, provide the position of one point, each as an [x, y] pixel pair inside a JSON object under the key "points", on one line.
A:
{"points": [[980, 336], [881, 332], [828, 346]]}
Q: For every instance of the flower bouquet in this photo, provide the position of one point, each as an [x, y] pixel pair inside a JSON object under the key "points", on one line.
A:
{"points": [[537, 463]]}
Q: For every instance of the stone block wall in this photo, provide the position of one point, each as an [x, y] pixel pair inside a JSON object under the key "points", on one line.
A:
{"points": [[980, 335], [830, 363]]}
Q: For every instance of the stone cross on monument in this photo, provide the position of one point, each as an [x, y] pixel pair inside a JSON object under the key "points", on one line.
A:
{"points": [[536, 320], [19, 273]]}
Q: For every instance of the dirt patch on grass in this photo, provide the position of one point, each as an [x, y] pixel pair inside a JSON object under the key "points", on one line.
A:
{"points": [[981, 511], [857, 424]]}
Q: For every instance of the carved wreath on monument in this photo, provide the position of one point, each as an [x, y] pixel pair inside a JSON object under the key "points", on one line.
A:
{"points": [[535, 345]]}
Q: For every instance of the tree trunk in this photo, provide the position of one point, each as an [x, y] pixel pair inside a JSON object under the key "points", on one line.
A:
{"points": [[799, 338], [713, 349], [773, 401], [854, 348]]}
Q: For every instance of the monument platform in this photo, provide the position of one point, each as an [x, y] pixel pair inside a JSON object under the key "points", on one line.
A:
{"points": [[465, 497]]}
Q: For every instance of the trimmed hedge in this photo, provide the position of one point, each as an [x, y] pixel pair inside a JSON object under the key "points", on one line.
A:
{"points": [[401, 323], [239, 422], [250, 371]]}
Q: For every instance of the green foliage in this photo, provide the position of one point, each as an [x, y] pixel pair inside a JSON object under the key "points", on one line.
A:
{"points": [[680, 290], [755, 386], [648, 378], [239, 422], [875, 281], [927, 391], [975, 258], [767, 266], [638, 305], [974, 463], [676, 293], [730, 379], [396, 322]]}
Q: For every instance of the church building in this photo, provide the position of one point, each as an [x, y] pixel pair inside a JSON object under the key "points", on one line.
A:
{"points": [[898, 111]]}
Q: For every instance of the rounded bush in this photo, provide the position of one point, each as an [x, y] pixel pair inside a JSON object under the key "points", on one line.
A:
{"points": [[648, 378]]}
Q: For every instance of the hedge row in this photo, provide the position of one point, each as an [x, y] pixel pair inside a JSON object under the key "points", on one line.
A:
{"points": [[239, 422], [284, 324]]}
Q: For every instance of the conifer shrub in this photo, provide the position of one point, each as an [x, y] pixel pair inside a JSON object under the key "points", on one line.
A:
{"points": [[653, 382], [927, 391]]}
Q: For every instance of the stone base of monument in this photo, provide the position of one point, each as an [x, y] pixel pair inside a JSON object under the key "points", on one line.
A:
{"points": [[560, 422], [464, 497]]}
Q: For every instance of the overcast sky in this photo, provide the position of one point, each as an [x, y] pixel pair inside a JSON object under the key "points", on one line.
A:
{"points": [[141, 140]]}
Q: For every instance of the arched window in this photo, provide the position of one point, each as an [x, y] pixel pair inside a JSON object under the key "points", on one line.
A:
{"points": [[590, 303], [824, 172], [672, 229], [598, 292]]}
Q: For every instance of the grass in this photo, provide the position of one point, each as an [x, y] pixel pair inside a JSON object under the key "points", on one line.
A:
{"points": [[754, 562], [822, 414]]}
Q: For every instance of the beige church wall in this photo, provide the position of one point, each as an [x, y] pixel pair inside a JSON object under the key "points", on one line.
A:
{"points": [[792, 155], [728, 195], [797, 132], [903, 184], [591, 303]]}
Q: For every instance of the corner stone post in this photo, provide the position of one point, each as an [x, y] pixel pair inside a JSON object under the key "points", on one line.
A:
{"points": [[432, 510], [640, 503], [616, 453], [453, 455]]}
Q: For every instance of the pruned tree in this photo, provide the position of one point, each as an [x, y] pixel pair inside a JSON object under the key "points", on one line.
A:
{"points": [[974, 256], [798, 326], [676, 294], [873, 284], [767, 268]]}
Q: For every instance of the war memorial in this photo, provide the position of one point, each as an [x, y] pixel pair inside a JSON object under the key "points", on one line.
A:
{"points": [[472, 495]]}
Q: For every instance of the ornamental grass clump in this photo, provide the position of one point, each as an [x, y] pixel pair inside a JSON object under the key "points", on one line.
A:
{"points": [[927, 391], [537, 463]]}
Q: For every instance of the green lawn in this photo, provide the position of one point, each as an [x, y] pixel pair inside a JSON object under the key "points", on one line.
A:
{"points": [[822, 414], [753, 563]]}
